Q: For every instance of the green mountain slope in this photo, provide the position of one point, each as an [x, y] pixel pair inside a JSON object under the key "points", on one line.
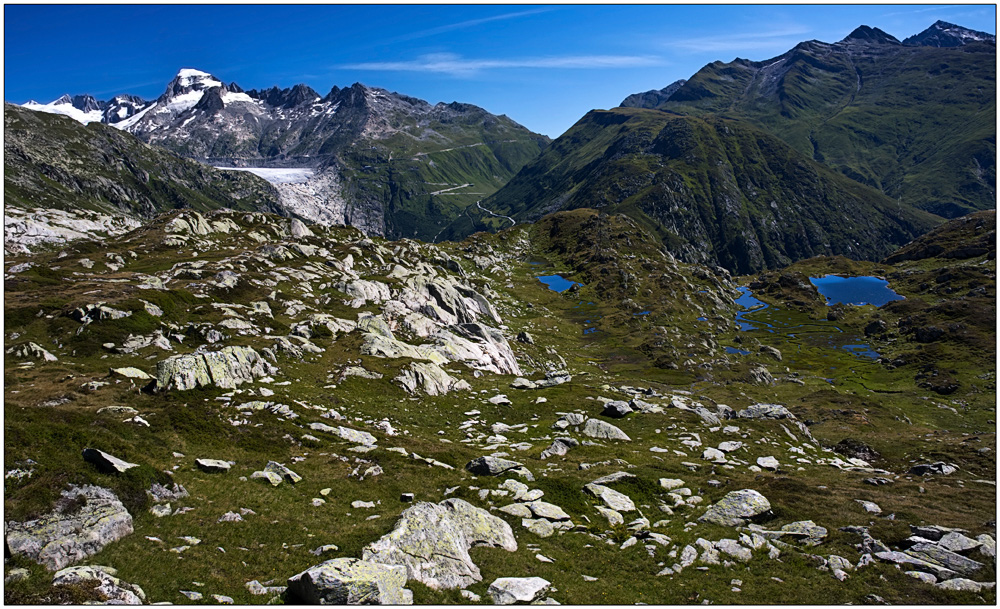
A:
{"points": [[915, 122], [53, 162], [714, 190]]}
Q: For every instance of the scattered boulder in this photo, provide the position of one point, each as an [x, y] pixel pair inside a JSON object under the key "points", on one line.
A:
{"points": [[349, 581], [616, 409], [429, 378], [851, 448], [85, 520], [559, 447], [433, 540], [518, 590], [611, 498], [939, 468], [212, 466], [491, 466], [737, 508], [282, 471], [595, 428], [965, 585], [769, 463], [105, 462]]}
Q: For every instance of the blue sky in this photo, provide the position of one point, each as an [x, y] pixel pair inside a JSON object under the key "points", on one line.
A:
{"points": [[543, 66]]}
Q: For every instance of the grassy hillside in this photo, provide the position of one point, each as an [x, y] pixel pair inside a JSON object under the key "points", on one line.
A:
{"points": [[714, 190], [917, 123], [51, 161]]}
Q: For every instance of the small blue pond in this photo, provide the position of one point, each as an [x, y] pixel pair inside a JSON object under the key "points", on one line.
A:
{"points": [[735, 351], [855, 290], [557, 283]]}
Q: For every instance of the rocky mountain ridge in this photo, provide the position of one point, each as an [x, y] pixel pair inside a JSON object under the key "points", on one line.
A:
{"points": [[915, 120], [430, 161]]}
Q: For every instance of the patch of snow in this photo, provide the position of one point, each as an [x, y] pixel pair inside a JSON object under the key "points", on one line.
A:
{"points": [[182, 102], [66, 109], [132, 120], [228, 98]]}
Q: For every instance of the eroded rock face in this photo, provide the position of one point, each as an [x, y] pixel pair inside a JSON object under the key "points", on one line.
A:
{"points": [[433, 540], [85, 520], [350, 581], [227, 368], [737, 508]]}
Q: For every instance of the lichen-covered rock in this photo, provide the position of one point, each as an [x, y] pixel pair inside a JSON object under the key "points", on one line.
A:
{"points": [[349, 581], [518, 590], [280, 470], [737, 508], [227, 368], [595, 428], [433, 540], [85, 520], [114, 590], [430, 379]]}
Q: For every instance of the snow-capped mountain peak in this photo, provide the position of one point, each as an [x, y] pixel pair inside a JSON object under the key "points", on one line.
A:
{"points": [[64, 105], [196, 79]]}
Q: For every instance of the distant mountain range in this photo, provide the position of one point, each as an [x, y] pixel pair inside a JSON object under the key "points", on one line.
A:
{"points": [[390, 164], [851, 148], [914, 119]]}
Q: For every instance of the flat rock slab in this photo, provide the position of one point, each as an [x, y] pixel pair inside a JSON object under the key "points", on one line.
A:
{"points": [[433, 540], [518, 590], [935, 553], [105, 462], [212, 466], [547, 511], [611, 498], [350, 581], [736, 508], [59, 539]]}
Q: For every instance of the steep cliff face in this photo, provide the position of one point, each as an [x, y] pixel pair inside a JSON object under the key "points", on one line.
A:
{"points": [[714, 190]]}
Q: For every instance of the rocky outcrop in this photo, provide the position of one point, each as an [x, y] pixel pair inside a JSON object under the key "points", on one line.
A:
{"points": [[85, 520], [433, 540], [430, 379], [349, 581], [227, 368], [106, 463], [114, 590]]}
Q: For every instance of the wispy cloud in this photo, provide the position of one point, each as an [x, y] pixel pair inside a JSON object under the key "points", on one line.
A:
{"points": [[749, 41], [456, 65], [468, 24], [917, 10]]}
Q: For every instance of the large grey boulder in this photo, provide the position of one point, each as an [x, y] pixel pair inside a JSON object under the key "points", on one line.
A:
{"points": [[765, 411], [433, 540], [85, 520], [430, 379], [106, 463], [737, 508], [616, 409], [595, 428], [114, 590], [518, 590], [491, 466], [611, 498], [227, 368], [935, 553], [349, 581]]}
